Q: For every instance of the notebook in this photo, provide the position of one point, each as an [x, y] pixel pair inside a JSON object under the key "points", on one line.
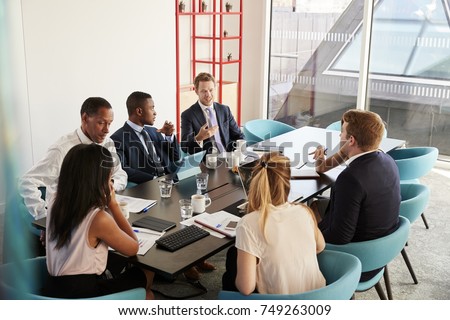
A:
{"points": [[304, 173], [221, 221], [153, 223], [267, 146]]}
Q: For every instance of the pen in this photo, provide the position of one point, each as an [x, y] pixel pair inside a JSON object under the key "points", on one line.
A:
{"points": [[147, 231], [148, 207], [299, 167], [324, 152]]}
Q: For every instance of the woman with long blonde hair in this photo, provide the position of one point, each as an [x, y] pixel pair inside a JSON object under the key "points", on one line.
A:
{"points": [[277, 242]]}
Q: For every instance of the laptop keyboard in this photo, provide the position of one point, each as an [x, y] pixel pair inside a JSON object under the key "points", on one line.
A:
{"points": [[181, 238]]}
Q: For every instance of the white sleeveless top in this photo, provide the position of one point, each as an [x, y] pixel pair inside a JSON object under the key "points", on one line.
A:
{"points": [[78, 257], [287, 260]]}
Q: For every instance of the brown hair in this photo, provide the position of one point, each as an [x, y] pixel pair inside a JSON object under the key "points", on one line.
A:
{"points": [[366, 127], [270, 185], [203, 76]]}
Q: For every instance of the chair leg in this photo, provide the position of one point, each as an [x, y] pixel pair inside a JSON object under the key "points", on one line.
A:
{"points": [[408, 264], [380, 291], [387, 282], [425, 221]]}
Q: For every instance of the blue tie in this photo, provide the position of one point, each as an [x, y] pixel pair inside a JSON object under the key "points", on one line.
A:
{"points": [[213, 122]]}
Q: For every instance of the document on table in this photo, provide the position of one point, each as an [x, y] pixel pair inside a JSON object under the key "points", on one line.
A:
{"points": [[146, 239], [136, 204], [190, 221]]}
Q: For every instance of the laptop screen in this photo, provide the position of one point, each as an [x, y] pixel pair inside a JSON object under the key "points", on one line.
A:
{"points": [[246, 174]]}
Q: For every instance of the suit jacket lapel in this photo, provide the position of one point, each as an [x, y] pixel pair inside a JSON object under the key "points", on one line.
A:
{"points": [[134, 138], [220, 121]]}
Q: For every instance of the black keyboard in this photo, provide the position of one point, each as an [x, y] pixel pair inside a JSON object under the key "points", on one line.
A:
{"points": [[181, 238]]}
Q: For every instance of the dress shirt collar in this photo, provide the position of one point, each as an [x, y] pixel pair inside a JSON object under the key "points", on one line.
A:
{"points": [[205, 107], [134, 126], [356, 156], [85, 139]]}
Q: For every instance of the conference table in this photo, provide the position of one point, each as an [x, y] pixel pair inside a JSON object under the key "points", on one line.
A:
{"points": [[226, 192]]}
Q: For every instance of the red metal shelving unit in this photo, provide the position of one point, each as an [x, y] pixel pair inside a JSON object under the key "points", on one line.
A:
{"points": [[216, 59]]}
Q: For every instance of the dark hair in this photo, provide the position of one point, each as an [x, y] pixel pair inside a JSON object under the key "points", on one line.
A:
{"points": [[83, 184], [203, 76], [136, 100], [91, 105]]}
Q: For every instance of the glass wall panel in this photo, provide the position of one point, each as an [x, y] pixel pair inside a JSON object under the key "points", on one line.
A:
{"points": [[410, 70], [306, 36], [315, 58]]}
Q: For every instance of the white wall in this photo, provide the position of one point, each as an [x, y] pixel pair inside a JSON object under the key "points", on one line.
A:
{"points": [[63, 51]]}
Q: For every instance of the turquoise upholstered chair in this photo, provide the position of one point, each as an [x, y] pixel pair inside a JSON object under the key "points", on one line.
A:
{"points": [[375, 254], [263, 129], [22, 281], [336, 126], [413, 163], [341, 271], [415, 198]]}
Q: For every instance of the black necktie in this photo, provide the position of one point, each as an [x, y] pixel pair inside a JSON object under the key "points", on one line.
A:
{"points": [[152, 153]]}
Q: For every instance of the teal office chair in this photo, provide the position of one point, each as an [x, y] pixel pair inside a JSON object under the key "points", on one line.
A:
{"points": [[336, 126], [414, 201], [413, 163], [341, 271], [23, 281], [375, 254], [262, 129]]}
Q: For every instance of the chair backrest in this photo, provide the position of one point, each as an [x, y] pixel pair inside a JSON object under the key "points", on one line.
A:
{"points": [[377, 253], [23, 281], [262, 129], [336, 126], [415, 162], [415, 198], [341, 271]]}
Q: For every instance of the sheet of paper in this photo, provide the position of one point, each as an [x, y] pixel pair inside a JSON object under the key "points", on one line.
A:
{"points": [[146, 239], [135, 204], [191, 221]]}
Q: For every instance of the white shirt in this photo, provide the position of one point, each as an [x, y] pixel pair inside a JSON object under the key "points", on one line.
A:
{"points": [[139, 129], [45, 172], [213, 112], [287, 260]]}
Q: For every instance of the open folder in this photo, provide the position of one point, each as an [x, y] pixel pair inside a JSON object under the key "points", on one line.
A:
{"points": [[218, 221], [136, 204]]}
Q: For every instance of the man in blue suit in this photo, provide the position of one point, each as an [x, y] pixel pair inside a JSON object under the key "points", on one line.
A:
{"points": [[208, 125], [145, 152]]}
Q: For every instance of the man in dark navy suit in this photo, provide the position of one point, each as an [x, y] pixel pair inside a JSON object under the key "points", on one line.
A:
{"points": [[145, 152], [207, 124], [365, 199]]}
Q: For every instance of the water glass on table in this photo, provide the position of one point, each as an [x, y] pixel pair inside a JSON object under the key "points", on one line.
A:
{"points": [[186, 209], [165, 187], [202, 181]]}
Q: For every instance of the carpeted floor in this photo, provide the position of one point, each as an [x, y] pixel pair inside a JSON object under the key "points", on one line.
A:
{"points": [[427, 250]]}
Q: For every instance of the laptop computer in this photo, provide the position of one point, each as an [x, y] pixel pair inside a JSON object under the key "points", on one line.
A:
{"points": [[188, 166], [246, 174]]}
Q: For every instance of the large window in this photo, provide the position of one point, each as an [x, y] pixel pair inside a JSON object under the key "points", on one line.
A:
{"points": [[315, 59]]}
